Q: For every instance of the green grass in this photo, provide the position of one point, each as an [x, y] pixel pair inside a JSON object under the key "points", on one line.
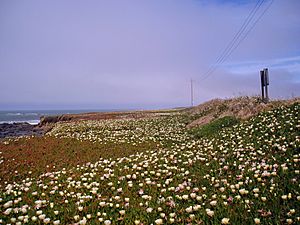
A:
{"points": [[213, 127]]}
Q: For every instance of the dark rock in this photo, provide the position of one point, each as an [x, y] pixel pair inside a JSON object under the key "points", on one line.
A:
{"points": [[46, 120], [19, 129]]}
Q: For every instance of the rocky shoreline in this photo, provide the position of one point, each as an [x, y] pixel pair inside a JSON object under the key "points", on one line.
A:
{"points": [[20, 129]]}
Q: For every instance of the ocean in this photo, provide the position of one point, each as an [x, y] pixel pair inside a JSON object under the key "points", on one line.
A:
{"points": [[33, 116]]}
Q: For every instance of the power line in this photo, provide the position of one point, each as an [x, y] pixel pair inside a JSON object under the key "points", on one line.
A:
{"points": [[234, 40], [241, 30], [251, 28], [239, 36]]}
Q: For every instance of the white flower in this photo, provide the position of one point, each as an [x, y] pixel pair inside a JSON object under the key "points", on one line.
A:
{"points": [[199, 198], [159, 221], [185, 197], [225, 221], [20, 217], [83, 221], [193, 195], [213, 203], [42, 216], [243, 191], [292, 211], [107, 222], [149, 210], [209, 212], [189, 209], [46, 220], [196, 207], [256, 221], [8, 211], [172, 215], [256, 190], [192, 216], [8, 204], [102, 204]]}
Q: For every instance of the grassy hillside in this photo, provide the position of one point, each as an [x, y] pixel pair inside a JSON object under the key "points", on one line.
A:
{"points": [[243, 173], [241, 108]]}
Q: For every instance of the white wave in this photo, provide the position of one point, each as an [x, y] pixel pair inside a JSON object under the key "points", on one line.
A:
{"points": [[31, 114], [22, 114], [32, 122], [14, 114]]}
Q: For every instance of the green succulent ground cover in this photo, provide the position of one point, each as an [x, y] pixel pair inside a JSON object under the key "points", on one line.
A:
{"points": [[213, 127], [245, 173]]}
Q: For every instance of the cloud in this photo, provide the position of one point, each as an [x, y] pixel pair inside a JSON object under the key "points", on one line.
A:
{"points": [[290, 64]]}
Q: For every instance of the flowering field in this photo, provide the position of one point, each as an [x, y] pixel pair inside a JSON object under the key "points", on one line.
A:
{"points": [[131, 131], [246, 174]]}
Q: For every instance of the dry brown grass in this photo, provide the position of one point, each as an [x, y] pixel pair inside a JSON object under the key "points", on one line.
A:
{"points": [[240, 107]]}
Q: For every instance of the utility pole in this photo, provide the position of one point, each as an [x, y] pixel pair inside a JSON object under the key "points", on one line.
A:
{"points": [[264, 79], [192, 93], [267, 83]]}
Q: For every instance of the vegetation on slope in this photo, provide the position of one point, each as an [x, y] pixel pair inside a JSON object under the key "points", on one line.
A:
{"points": [[212, 128], [244, 174], [241, 108]]}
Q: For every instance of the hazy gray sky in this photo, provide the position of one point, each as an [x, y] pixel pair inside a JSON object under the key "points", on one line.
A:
{"points": [[141, 53]]}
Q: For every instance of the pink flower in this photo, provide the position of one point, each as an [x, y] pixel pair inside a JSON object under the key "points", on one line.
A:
{"points": [[230, 199], [171, 204]]}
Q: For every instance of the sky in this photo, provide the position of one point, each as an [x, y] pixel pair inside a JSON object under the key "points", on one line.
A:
{"points": [[142, 54]]}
